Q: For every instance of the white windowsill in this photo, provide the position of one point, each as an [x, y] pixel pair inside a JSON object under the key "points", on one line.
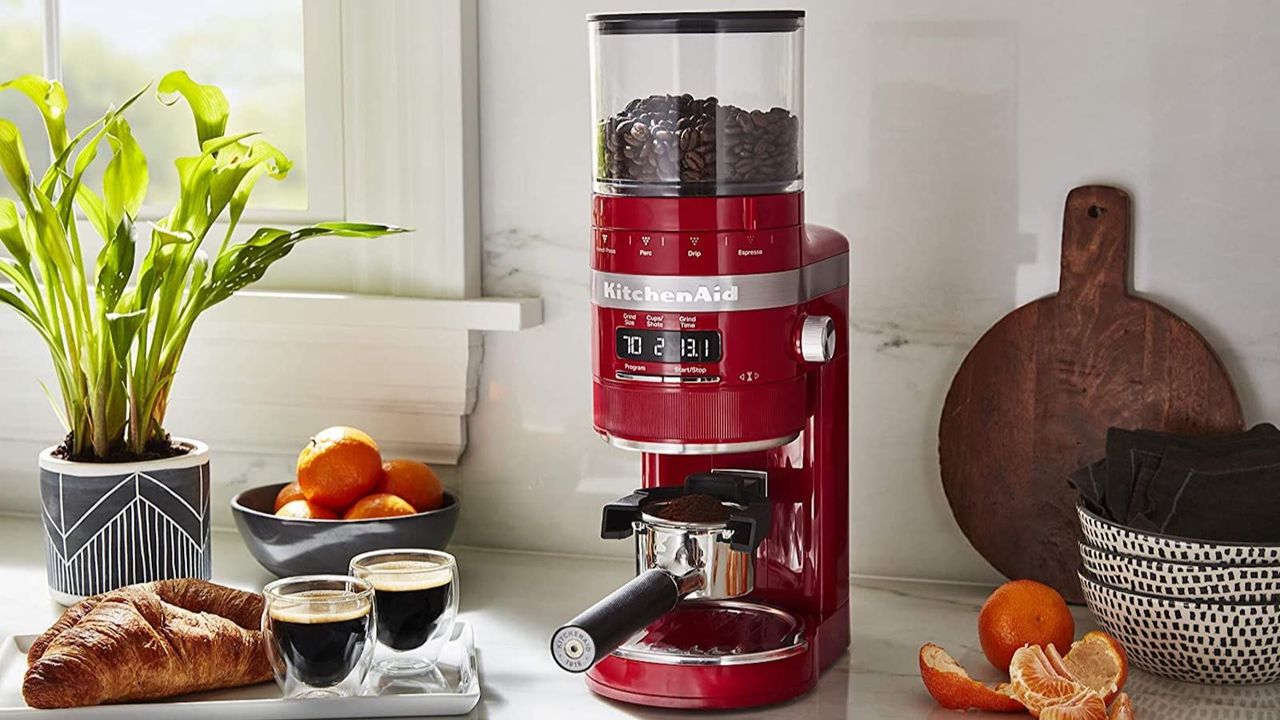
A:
{"points": [[501, 314], [266, 368], [491, 313]]}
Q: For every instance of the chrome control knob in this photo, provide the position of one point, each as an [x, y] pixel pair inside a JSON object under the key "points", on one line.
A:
{"points": [[817, 338]]}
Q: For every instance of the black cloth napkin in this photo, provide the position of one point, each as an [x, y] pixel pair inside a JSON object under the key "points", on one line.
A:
{"points": [[1223, 488]]}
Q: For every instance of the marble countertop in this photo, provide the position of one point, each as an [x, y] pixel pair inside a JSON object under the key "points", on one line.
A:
{"points": [[515, 600]]}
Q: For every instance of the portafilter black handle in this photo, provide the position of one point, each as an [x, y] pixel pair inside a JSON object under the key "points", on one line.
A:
{"points": [[601, 628]]}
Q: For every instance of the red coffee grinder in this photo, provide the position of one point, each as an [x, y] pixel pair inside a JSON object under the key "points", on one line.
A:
{"points": [[719, 353]]}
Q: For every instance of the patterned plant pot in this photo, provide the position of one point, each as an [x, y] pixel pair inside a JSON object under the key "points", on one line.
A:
{"points": [[108, 525]]}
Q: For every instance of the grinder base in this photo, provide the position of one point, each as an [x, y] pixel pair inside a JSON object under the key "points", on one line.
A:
{"points": [[771, 665]]}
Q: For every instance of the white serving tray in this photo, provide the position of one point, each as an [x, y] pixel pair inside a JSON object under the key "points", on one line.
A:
{"points": [[257, 702]]}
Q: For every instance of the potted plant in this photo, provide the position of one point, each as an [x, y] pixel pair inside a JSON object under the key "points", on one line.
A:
{"points": [[125, 502]]}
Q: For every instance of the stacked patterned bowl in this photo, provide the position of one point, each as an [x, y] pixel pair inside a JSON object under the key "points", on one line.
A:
{"points": [[1204, 612]]}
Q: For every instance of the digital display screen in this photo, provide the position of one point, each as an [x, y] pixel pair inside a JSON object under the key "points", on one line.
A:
{"points": [[669, 346]]}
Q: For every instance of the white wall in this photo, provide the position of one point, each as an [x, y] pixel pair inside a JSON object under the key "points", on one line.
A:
{"points": [[942, 137]]}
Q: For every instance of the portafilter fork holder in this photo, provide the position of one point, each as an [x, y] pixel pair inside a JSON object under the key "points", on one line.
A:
{"points": [[674, 561]]}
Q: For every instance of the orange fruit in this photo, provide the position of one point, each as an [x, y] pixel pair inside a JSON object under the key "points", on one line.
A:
{"points": [[305, 510], [380, 505], [1023, 612], [413, 481], [952, 687], [339, 466], [1039, 683], [1122, 708], [288, 494], [1098, 662], [1082, 707]]}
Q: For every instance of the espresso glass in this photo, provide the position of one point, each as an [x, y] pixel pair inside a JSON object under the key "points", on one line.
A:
{"points": [[415, 599], [320, 634]]}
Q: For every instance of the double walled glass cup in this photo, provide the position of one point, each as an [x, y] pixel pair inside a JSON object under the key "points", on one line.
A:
{"points": [[320, 634], [415, 597]]}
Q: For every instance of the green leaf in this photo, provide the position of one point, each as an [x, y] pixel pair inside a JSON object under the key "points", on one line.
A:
{"points": [[156, 264], [62, 417], [8, 297], [11, 234], [199, 270], [13, 159], [58, 167], [212, 146], [163, 236], [23, 278], [124, 185], [195, 174], [237, 169], [51, 100], [115, 265], [197, 208], [94, 209], [208, 105], [246, 262], [124, 328], [52, 236], [263, 158]]}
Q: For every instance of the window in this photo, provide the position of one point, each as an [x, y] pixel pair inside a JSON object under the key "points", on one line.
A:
{"points": [[375, 102], [253, 49]]}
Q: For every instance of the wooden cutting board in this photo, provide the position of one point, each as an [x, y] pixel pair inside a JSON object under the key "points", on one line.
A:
{"points": [[1034, 398]]}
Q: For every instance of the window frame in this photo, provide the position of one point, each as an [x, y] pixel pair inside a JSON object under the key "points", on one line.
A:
{"points": [[416, 166]]}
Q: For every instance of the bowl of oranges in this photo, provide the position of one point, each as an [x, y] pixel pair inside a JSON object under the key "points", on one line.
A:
{"points": [[345, 500]]}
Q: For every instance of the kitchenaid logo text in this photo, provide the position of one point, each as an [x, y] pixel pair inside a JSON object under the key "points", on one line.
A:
{"points": [[644, 293]]}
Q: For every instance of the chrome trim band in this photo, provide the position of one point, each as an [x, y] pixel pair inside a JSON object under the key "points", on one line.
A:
{"points": [[630, 652], [669, 379], [719, 293], [697, 448]]}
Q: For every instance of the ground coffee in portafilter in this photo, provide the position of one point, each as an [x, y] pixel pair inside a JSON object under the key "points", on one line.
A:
{"points": [[679, 138], [694, 508]]}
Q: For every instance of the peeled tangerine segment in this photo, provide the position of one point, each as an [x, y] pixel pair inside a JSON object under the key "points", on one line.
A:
{"points": [[1087, 706], [1076, 687], [1122, 708], [952, 687], [1037, 680], [1097, 662]]}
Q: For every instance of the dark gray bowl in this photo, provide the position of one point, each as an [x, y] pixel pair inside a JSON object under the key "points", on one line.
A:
{"points": [[287, 547]]}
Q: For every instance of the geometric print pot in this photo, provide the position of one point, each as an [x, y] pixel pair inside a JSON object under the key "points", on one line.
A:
{"points": [[108, 525]]}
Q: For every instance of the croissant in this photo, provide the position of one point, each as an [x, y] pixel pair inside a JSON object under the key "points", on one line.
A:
{"points": [[148, 641]]}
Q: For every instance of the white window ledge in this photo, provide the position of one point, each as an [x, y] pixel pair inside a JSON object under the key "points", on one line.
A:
{"points": [[492, 313], [265, 370]]}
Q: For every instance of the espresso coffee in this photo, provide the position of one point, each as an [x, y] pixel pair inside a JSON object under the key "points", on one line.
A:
{"points": [[410, 597], [321, 642]]}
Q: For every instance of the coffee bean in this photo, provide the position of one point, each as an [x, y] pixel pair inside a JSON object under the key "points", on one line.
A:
{"points": [[702, 144]]}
